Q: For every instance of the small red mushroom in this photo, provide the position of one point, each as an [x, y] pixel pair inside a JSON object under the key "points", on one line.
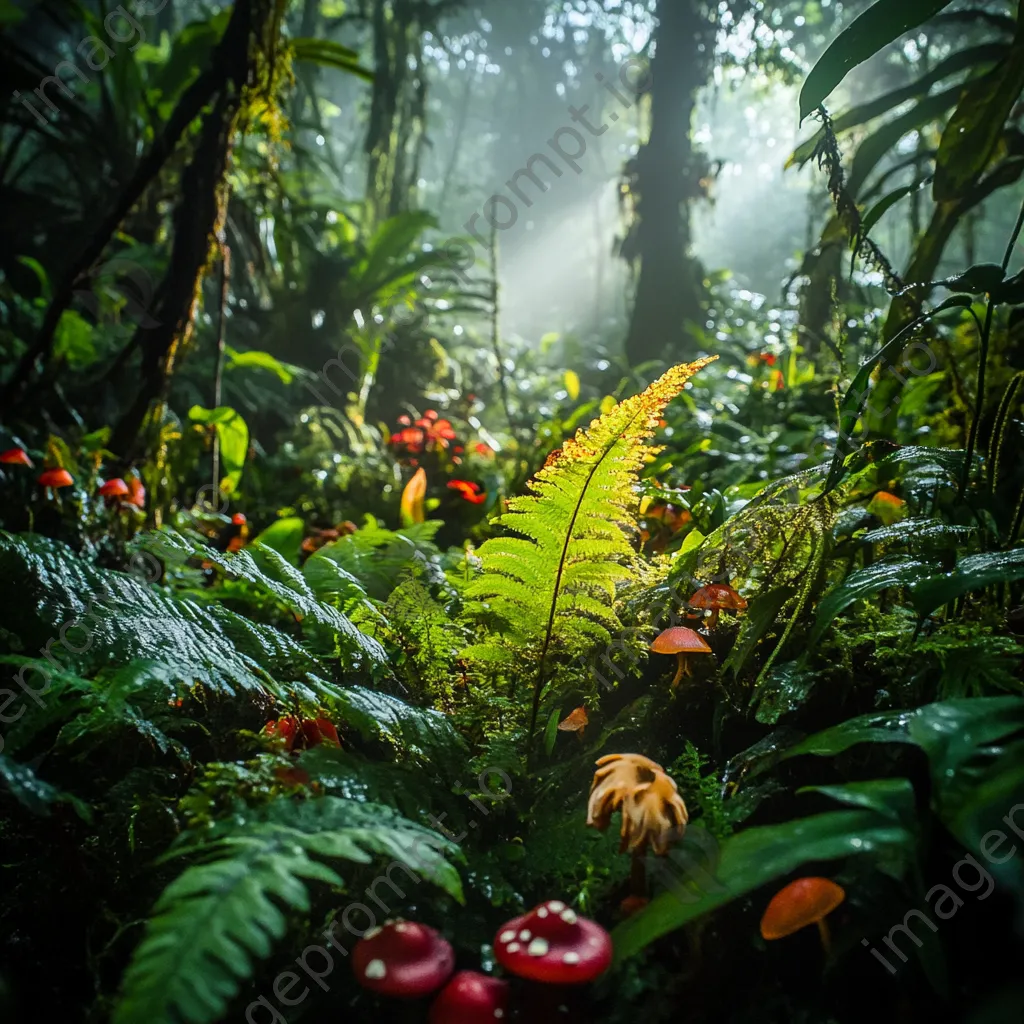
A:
{"points": [[56, 478], [403, 959], [470, 998], [15, 457], [115, 488], [553, 944], [803, 902], [136, 492], [680, 641], [238, 519], [717, 596]]}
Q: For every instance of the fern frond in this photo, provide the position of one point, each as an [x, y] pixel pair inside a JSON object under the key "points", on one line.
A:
{"points": [[218, 918], [554, 583], [112, 618]]}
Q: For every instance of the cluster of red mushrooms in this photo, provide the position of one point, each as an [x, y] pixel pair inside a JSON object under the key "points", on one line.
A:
{"points": [[116, 491], [551, 946], [683, 641]]}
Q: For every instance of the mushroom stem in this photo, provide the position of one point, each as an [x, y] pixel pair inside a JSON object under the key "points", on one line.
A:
{"points": [[713, 620], [637, 875], [826, 936], [682, 670]]}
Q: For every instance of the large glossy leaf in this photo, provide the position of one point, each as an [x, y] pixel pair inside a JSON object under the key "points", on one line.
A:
{"points": [[330, 54], [972, 573], [974, 130], [975, 750], [233, 433], [753, 858], [864, 583], [973, 58], [878, 26]]}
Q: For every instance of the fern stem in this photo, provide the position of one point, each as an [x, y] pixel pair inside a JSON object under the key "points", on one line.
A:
{"points": [[538, 688]]}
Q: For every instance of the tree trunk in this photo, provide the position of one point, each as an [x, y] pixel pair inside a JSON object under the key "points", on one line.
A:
{"points": [[667, 178]]}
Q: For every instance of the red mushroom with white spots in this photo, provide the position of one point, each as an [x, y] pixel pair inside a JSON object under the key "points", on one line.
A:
{"points": [[553, 944], [403, 959], [470, 998]]}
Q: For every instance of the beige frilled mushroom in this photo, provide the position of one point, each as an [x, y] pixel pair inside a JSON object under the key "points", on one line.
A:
{"points": [[653, 812]]}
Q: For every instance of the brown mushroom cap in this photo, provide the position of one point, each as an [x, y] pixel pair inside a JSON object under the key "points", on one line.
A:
{"points": [[403, 959], [553, 944], [680, 640], [801, 903], [718, 595]]}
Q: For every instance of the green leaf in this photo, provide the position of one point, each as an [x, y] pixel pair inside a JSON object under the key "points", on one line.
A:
{"points": [[45, 288], [891, 798], [853, 401], [551, 731], [234, 440], [217, 919], [764, 610], [330, 54], [972, 573], [754, 858], [875, 214], [973, 132], [33, 792], [862, 584], [285, 537], [74, 340], [979, 279], [878, 26], [284, 372]]}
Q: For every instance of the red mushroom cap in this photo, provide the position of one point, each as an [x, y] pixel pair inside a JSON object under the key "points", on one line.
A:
{"points": [[718, 595], [285, 728], [136, 492], [56, 478], [113, 488], [679, 640], [238, 519], [16, 457], [470, 998], [803, 902], [553, 944], [403, 959], [328, 732]]}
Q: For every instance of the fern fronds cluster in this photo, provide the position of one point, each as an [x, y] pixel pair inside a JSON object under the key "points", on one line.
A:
{"points": [[552, 586]]}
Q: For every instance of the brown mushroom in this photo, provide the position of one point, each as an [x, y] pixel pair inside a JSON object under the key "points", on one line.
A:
{"points": [[653, 812], [801, 903], [576, 721], [718, 597], [680, 641]]}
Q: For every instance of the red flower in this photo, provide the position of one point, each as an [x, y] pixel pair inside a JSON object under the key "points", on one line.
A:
{"points": [[431, 414], [470, 491], [239, 519], [483, 449]]}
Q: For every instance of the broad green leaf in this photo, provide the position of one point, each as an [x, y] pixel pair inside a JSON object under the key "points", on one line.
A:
{"points": [[233, 432], [782, 690], [875, 214], [891, 798], [285, 537], [878, 26], [73, 340], [977, 124], [972, 573], [749, 860], [864, 583], [981, 278]]}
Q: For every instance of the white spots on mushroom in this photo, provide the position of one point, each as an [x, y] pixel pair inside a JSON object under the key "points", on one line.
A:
{"points": [[568, 916], [524, 935], [401, 927], [507, 936], [542, 911], [373, 932], [375, 969], [499, 1013], [570, 958], [539, 947], [556, 906], [513, 947]]}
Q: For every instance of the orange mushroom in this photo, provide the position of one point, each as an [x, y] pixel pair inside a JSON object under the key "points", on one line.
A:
{"points": [[576, 721], [680, 641], [115, 488], [801, 903], [717, 597], [15, 457], [56, 478]]}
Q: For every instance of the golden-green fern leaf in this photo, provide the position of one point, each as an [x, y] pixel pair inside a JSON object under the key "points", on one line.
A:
{"points": [[554, 584]]}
